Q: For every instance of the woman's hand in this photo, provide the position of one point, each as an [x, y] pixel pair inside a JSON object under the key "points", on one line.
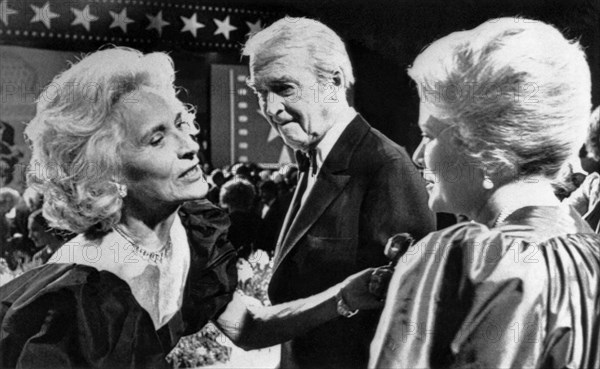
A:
{"points": [[357, 294]]}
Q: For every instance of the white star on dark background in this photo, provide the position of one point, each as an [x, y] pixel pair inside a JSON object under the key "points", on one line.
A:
{"points": [[254, 27], [157, 22], [191, 24], [43, 14], [120, 20], [284, 155], [83, 17], [224, 27], [5, 11]]}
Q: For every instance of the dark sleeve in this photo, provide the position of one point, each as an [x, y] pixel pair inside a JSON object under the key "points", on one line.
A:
{"points": [[213, 274], [396, 202], [76, 323]]}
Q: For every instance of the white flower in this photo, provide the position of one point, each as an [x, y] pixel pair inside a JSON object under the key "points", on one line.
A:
{"points": [[259, 257], [200, 351], [244, 270]]}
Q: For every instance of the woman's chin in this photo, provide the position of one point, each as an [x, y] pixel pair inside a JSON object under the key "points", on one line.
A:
{"points": [[197, 191], [199, 196], [436, 205]]}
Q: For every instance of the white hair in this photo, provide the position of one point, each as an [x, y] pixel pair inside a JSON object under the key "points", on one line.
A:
{"points": [[519, 92], [78, 132], [324, 49]]}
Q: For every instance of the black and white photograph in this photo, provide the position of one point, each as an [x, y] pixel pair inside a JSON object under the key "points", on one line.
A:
{"points": [[284, 184]]}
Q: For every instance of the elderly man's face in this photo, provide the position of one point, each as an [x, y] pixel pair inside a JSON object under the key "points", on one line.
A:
{"points": [[292, 100], [162, 166]]}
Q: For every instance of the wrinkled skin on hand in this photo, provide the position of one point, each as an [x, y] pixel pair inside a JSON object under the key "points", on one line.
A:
{"points": [[380, 280], [356, 290]]}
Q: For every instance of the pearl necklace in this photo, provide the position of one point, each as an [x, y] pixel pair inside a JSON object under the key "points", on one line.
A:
{"points": [[153, 256]]}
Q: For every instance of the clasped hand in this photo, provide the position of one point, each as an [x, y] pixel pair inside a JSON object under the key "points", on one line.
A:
{"points": [[366, 289]]}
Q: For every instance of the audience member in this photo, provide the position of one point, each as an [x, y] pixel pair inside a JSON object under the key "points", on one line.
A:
{"points": [[218, 179], [238, 197], [9, 198], [45, 239], [586, 199], [275, 207], [264, 175]]}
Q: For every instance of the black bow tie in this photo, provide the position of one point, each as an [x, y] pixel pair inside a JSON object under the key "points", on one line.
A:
{"points": [[306, 161]]}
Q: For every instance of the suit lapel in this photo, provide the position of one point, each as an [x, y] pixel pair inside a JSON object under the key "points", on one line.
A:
{"points": [[331, 181], [289, 216]]}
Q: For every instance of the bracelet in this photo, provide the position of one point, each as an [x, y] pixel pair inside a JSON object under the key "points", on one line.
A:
{"points": [[342, 308]]}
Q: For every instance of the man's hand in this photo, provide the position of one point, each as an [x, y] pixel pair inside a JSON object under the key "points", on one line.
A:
{"points": [[356, 292], [380, 280]]}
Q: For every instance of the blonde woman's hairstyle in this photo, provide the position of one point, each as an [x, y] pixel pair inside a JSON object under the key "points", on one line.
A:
{"points": [[518, 91], [320, 45], [79, 131]]}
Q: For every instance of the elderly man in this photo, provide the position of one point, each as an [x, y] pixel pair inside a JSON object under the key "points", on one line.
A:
{"points": [[357, 189]]}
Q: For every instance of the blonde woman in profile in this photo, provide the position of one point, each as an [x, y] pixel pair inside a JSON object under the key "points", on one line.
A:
{"points": [[518, 287]]}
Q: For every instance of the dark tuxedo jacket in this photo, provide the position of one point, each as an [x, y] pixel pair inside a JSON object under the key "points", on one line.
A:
{"points": [[366, 191]]}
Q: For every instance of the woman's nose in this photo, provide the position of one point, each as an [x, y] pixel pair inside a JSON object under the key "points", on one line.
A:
{"points": [[418, 155], [188, 146]]}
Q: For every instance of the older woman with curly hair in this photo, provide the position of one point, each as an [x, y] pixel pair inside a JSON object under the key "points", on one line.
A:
{"points": [[503, 108], [115, 157], [586, 199]]}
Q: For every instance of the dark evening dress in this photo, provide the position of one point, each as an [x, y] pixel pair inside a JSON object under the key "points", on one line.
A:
{"points": [[74, 316], [522, 295]]}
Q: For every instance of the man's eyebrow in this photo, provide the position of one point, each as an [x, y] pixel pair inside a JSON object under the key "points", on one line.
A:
{"points": [[283, 79]]}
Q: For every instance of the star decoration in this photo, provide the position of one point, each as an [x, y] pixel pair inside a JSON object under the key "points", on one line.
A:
{"points": [[224, 27], [157, 22], [43, 14], [83, 17], [254, 27], [5, 11], [120, 20], [284, 156], [191, 24], [272, 132]]}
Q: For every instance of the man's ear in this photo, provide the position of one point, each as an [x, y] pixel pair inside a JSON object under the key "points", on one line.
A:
{"points": [[338, 78]]}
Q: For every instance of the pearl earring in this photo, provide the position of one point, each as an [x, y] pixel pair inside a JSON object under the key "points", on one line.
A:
{"points": [[487, 183]]}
